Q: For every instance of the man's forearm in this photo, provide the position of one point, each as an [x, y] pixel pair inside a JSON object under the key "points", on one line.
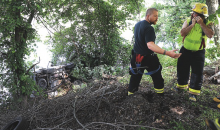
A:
{"points": [[186, 30], [155, 48], [208, 31]]}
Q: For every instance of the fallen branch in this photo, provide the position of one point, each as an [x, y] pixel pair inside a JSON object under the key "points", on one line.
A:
{"points": [[74, 113], [215, 75], [32, 66]]}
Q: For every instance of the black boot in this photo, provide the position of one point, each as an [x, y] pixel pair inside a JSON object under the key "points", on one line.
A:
{"points": [[178, 90], [160, 94]]}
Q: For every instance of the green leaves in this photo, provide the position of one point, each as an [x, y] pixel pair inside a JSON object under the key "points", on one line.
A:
{"points": [[211, 17], [16, 38], [93, 37]]}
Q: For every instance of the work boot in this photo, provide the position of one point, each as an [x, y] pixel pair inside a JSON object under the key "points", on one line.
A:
{"points": [[217, 99], [180, 88], [218, 105], [160, 94], [214, 125], [192, 97], [177, 90]]}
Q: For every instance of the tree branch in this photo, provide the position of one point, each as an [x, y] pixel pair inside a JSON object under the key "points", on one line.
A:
{"points": [[32, 66], [31, 17]]}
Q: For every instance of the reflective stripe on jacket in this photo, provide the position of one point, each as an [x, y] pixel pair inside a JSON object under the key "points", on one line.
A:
{"points": [[194, 38]]}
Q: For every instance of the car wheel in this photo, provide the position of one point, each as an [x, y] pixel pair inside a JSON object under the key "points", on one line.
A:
{"points": [[42, 83], [18, 123]]}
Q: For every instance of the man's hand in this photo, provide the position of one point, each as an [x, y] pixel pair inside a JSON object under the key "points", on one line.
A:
{"points": [[206, 29], [173, 54], [199, 20], [194, 21]]}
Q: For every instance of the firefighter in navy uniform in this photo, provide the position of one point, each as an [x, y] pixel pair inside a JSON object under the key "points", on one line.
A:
{"points": [[143, 56], [195, 31]]}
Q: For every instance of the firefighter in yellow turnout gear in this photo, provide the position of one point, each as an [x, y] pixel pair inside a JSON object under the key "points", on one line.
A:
{"points": [[195, 32]]}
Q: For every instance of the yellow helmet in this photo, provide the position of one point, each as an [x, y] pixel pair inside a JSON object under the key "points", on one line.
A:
{"points": [[201, 8]]}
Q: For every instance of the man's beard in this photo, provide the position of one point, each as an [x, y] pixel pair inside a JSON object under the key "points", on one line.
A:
{"points": [[153, 22]]}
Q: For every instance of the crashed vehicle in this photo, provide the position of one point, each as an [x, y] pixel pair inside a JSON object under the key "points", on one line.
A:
{"points": [[50, 78]]}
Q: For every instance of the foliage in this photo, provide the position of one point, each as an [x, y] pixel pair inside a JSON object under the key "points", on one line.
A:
{"points": [[213, 17], [16, 41], [179, 125], [172, 15], [167, 61], [212, 53], [16, 38], [90, 37], [85, 73], [93, 37]]}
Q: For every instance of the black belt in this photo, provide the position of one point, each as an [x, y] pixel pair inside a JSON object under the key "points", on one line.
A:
{"points": [[152, 54], [192, 50]]}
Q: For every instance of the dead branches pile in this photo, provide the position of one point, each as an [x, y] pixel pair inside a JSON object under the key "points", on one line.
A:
{"points": [[95, 107], [82, 109]]}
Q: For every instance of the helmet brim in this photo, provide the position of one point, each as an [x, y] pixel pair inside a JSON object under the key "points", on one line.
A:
{"points": [[206, 15]]}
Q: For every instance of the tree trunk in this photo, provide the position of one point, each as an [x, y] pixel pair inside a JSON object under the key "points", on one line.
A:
{"points": [[212, 7], [20, 45]]}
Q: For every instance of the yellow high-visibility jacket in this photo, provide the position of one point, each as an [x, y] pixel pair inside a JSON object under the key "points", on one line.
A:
{"points": [[193, 39]]}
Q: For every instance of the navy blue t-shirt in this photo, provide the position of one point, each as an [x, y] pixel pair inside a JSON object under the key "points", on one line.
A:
{"points": [[143, 33]]}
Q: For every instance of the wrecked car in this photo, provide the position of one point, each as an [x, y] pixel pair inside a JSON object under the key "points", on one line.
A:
{"points": [[49, 78]]}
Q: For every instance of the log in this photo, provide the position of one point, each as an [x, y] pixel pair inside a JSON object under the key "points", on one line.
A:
{"points": [[218, 81], [215, 75], [209, 70]]}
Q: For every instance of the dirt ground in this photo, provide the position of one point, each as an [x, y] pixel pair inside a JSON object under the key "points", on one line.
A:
{"points": [[105, 105]]}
